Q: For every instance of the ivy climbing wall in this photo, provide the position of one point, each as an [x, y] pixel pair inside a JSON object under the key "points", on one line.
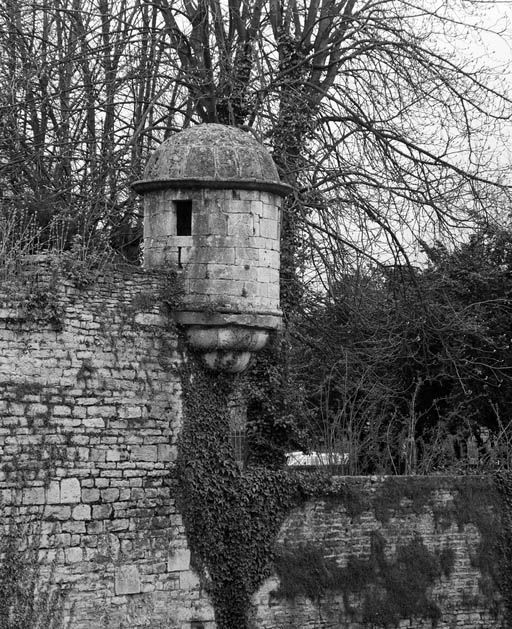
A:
{"points": [[415, 552], [90, 410]]}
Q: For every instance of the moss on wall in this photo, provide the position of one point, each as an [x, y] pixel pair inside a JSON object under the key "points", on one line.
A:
{"points": [[391, 589]]}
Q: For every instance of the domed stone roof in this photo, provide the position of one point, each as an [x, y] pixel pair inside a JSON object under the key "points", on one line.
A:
{"points": [[211, 155]]}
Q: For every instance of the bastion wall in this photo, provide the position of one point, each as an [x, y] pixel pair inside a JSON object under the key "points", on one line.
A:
{"points": [[90, 413]]}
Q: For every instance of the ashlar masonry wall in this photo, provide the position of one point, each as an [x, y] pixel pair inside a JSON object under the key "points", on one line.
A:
{"points": [[90, 410], [232, 258]]}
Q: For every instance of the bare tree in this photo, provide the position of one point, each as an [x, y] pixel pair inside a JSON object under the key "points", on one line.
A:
{"points": [[81, 87], [373, 114]]}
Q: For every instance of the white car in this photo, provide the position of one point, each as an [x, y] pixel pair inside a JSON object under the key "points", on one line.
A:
{"points": [[316, 458]]}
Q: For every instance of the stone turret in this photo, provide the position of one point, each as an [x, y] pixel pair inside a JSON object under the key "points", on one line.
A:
{"points": [[212, 210]]}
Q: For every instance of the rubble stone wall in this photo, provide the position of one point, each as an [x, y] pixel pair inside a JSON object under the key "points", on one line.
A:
{"points": [[416, 553], [90, 411]]}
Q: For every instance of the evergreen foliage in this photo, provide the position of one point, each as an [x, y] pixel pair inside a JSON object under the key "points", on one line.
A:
{"points": [[29, 598], [403, 368]]}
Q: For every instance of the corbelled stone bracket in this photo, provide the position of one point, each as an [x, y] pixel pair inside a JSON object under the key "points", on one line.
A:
{"points": [[227, 341]]}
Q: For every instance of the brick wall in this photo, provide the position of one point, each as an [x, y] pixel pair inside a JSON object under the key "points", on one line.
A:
{"points": [[89, 417]]}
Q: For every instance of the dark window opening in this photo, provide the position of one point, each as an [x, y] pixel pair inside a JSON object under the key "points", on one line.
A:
{"points": [[183, 218]]}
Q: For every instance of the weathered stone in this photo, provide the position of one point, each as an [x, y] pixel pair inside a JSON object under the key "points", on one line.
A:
{"points": [[76, 527], [101, 512], [90, 495], [144, 453], [57, 512], [70, 490], [81, 512], [127, 580], [179, 560], [109, 495], [166, 452], [34, 495], [73, 555], [94, 422], [61, 411], [119, 524], [189, 580], [113, 455]]}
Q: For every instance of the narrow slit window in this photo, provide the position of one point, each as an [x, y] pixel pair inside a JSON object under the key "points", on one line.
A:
{"points": [[238, 440], [183, 218]]}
